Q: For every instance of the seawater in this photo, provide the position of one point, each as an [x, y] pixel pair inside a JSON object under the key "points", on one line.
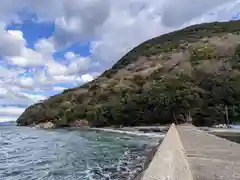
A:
{"points": [[35, 154]]}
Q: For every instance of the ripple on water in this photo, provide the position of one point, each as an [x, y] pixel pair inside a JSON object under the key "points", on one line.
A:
{"points": [[32, 154]]}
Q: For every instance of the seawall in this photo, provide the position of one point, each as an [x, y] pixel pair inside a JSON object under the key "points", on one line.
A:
{"points": [[187, 153]]}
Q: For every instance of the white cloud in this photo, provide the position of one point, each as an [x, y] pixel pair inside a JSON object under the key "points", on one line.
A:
{"points": [[29, 58], [8, 118], [75, 65], [3, 91], [79, 22], [78, 65], [86, 78], [69, 55], [64, 78], [13, 97], [26, 82], [150, 17], [181, 11], [45, 81], [45, 9], [124, 30], [9, 74], [45, 46], [11, 43], [58, 88], [222, 12], [16, 34], [12, 93], [11, 111], [34, 97], [13, 48], [55, 69]]}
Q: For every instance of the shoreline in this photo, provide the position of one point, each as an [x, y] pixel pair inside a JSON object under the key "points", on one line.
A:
{"points": [[150, 131], [229, 134], [131, 131]]}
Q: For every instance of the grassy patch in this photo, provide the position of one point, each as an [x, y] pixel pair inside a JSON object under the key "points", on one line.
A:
{"points": [[202, 52]]}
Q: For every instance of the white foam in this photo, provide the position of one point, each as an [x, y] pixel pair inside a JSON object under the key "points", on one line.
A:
{"points": [[137, 133]]}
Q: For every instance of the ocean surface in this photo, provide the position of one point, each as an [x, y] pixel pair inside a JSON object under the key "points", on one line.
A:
{"points": [[236, 126], [35, 154]]}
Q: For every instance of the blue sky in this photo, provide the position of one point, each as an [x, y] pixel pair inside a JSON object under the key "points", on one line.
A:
{"points": [[33, 32], [48, 46]]}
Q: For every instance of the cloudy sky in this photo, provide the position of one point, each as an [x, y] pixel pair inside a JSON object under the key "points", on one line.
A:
{"points": [[49, 45]]}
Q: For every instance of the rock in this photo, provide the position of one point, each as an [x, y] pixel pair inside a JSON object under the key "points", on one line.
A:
{"points": [[221, 126], [81, 123], [47, 125]]}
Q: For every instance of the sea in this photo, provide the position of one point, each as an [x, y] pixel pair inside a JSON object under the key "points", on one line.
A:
{"points": [[71, 154]]}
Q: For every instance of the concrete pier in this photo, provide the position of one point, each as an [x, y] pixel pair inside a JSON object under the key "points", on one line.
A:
{"points": [[188, 153]]}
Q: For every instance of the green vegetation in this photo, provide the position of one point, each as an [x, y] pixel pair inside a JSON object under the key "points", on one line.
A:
{"points": [[236, 58], [203, 52], [163, 80]]}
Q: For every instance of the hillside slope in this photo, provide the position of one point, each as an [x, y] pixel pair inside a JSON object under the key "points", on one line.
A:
{"points": [[193, 71]]}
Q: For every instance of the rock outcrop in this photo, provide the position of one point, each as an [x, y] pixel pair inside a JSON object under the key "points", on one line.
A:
{"points": [[47, 125]]}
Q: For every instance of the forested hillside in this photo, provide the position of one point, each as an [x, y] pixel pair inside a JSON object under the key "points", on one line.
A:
{"points": [[194, 71]]}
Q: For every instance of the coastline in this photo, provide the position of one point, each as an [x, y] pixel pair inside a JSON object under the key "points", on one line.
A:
{"points": [[232, 134], [136, 133], [151, 131]]}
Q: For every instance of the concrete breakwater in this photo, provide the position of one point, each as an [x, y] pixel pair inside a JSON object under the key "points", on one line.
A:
{"points": [[187, 153], [169, 161]]}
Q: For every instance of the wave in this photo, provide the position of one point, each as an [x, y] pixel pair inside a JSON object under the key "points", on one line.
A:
{"points": [[136, 133]]}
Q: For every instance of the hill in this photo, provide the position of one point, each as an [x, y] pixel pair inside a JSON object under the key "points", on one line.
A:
{"points": [[193, 71]]}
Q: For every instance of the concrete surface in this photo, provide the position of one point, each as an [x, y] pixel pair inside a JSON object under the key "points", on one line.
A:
{"points": [[169, 161], [188, 153], [210, 157]]}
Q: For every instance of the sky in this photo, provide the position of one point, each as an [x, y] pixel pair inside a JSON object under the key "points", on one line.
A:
{"points": [[49, 45]]}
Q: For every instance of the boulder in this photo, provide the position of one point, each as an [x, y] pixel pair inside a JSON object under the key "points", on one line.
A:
{"points": [[81, 123], [47, 125]]}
